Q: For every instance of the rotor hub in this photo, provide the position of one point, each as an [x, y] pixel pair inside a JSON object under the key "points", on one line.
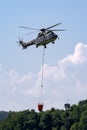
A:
{"points": [[43, 30]]}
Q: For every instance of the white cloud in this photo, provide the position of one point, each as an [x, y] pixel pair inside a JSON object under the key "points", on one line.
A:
{"points": [[79, 55], [66, 80]]}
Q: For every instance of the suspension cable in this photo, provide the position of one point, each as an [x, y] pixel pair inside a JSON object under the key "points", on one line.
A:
{"points": [[42, 67]]}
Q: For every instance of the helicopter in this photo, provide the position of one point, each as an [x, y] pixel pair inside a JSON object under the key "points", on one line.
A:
{"points": [[44, 37]]}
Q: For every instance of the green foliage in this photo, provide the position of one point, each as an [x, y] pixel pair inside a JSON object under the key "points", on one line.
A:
{"points": [[56, 119], [63, 128], [83, 121], [74, 118], [75, 126], [3, 115], [46, 121], [75, 113]]}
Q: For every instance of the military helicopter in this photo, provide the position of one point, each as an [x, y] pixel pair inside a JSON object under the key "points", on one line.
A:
{"points": [[45, 36]]}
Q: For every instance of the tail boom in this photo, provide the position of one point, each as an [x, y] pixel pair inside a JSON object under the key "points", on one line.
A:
{"points": [[25, 45]]}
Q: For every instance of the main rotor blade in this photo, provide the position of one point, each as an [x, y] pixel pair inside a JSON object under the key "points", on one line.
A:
{"points": [[31, 32], [56, 29], [53, 26], [28, 28]]}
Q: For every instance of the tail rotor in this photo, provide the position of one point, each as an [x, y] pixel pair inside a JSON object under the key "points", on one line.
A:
{"points": [[20, 41]]}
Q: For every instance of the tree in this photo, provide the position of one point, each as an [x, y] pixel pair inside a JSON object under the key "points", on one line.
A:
{"points": [[83, 121], [63, 128], [46, 121], [75, 126], [56, 120]]}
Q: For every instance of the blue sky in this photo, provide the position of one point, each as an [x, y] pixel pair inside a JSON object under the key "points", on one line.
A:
{"points": [[65, 61]]}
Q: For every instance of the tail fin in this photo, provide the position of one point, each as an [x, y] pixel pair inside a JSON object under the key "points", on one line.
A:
{"points": [[22, 44]]}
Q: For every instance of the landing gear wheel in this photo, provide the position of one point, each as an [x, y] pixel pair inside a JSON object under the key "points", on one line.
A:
{"points": [[36, 46], [53, 42], [45, 46]]}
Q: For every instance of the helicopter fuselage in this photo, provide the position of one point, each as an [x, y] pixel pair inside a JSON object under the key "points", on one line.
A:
{"points": [[42, 39]]}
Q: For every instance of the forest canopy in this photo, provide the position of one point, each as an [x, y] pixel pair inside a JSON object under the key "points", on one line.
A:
{"points": [[74, 118]]}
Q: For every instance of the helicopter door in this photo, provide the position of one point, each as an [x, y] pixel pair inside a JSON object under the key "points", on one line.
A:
{"points": [[40, 39], [49, 35]]}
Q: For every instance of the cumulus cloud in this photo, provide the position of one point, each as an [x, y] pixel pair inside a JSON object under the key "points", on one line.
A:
{"points": [[79, 55], [62, 82], [70, 76]]}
